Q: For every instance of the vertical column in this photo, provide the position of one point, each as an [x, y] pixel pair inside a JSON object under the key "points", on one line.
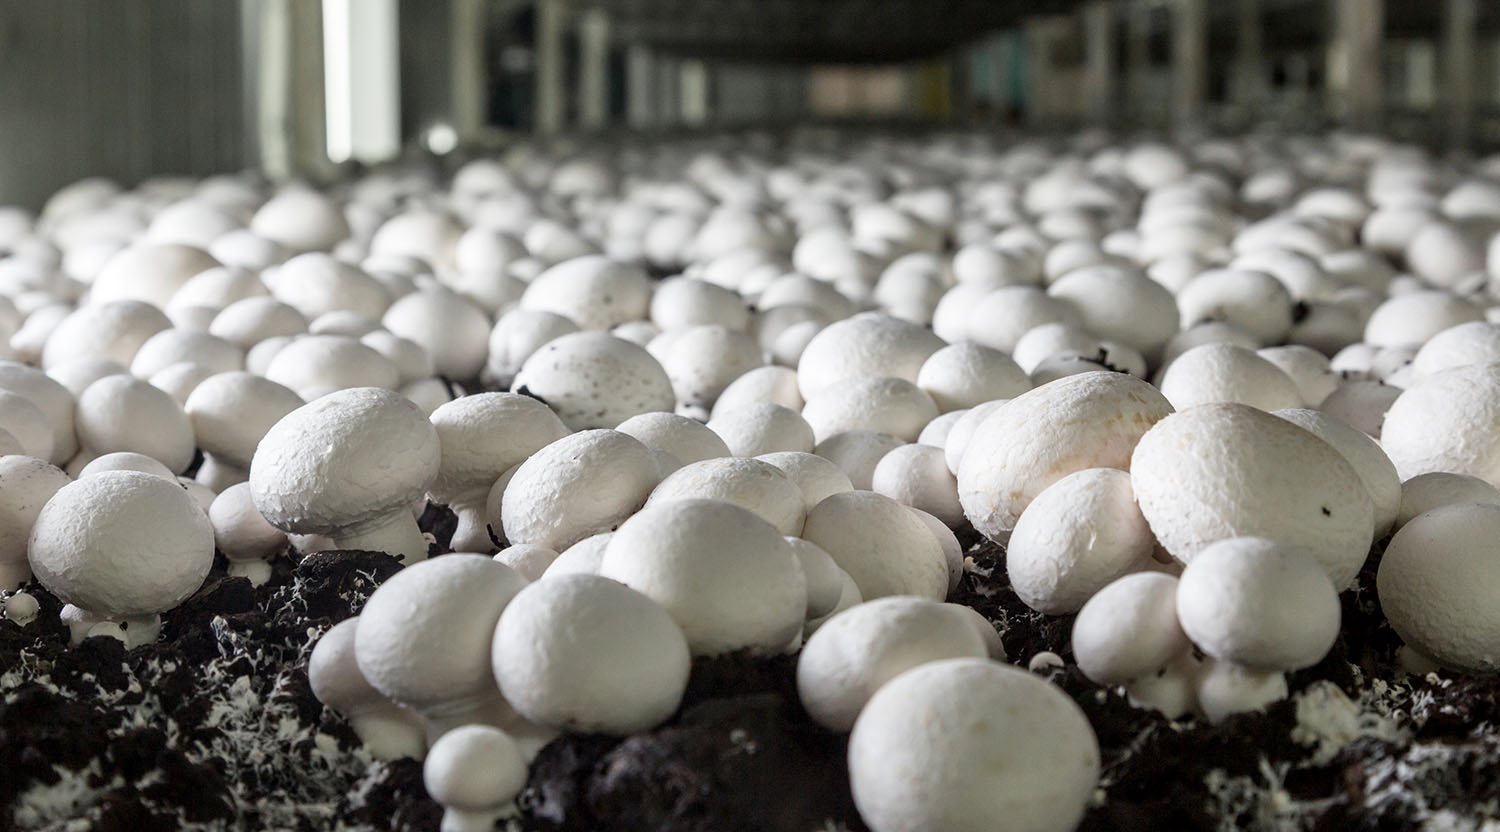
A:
{"points": [[1138, 58], [1458, 53], [1099, 61], [640, 87], [1041, 81], [1249, 85], [550, 91], [1189, 60], [593, 80], [466, 60], [1354, 78], [693, 92], [361, 79], [289, 114], [668, 91]]}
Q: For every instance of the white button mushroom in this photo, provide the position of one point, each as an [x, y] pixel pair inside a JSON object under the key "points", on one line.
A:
{"points": [[53, 399], [595, 380], [26, 484], [757, 428], [1447, 422], [584, 653], [886, 549], [756, 486], [245, 537], [349, 466], [1223, 689], [452, 330], [1307, 368], [965, 374], [1254, 302], [388, 730], [424, 639], [515, 336], [113, 330], [776, 385], [875, 403], [858, 650], [120, 413], [1218, 471], [1227, 373], [1370, 462], [231, 413], [1128, 631], [817, 476], [315, 364], [27, 423], [122, 547], [474, 772], [1078, 535], [253, 320], [865, 345], [1425, 492], [959, 744], [576, 487], [301, 219], [1084, 421], [727, 577], [149, 272], [483, 436], [1258, 603], [1438, 582], [917, 476], [528, 560], [593, 291]]}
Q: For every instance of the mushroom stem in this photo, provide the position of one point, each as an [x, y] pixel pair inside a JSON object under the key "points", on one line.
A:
{"points": [[463, 820], [257, 570], [488, 709], [396, 535], [390, 732], [472, 533], [134, 631], [78, 620]]}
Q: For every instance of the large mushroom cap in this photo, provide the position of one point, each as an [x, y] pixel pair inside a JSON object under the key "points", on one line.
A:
{"points": [[122, 543], [348, 458]]}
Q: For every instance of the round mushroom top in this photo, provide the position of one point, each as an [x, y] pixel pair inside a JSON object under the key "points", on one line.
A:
{"points": [[883, 546], [687, 440], [232, 411], [453, 330], [150, 272], [112, 330], [1449, 421], [727, 577], [486, 434], [1228, 373], [1425, 492], [864, 345], [424, 636], [301, 219], [1259, 603], [752, 484], [960, 743], [344, 462], [1438, 582], [26, 484], [585, 653], [593, 291], [1218, 471], [1129, 629], [333, 672], [1091, 420], [576, 487], [474, 768], [595, 380], [120, 413], [122, 543]]}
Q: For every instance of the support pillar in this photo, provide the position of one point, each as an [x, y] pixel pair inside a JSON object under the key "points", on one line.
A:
{"points": [[1138, 60], [593, 76], [640, 87], [1099, 61], [467, 67], [1189, 61], [668, 91], [1354, 77], [1249, 86], [550, 89], [693, 92], [1458, 52], [1042, 34]]}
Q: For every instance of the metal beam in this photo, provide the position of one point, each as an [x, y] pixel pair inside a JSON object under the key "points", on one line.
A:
{"points": [[1099, 61], [593, 70], [1460, 18], [1189, 60], [550, 90], [1354, 77]]}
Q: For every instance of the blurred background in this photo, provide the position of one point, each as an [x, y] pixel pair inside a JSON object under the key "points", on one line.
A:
{"points": [[134, 88]]}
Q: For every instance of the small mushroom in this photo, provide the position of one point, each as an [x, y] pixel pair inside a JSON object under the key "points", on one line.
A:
{"points": [[122, 547], [727, 577], [584, 653], [54, 400], [528, 560], [1128, 631], [575, 487], [864, 345], [885, 548], [246, 538], [26, 484], [917, 476], [956, 744], [1227, 373], [1425, 492], [349, 466], [120, 413], [388, 730], [817, 476], [757, 428], [475, 773], [1223, 689], [595, 380], [686, 440], [963, 375], [1447, 422], [756, 486], [875, 403], [231, 413]]}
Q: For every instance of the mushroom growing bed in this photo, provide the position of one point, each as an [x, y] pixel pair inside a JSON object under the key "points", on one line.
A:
{"points": [[810, 482]]}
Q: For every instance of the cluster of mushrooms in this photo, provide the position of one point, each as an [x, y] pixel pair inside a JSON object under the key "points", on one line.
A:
{"points": [[730, 394]]}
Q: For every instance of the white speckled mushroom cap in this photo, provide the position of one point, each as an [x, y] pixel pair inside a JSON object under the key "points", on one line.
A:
{"points": [[349, 458], [595, 380], [1218, 471], [1449, 421], [122, 543]]}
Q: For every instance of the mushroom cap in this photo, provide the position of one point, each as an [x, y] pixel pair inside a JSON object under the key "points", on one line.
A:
{"points": [[956, 744], [1261, 604], [756, 486], [593, 291], [454, 332], [26, 484], [1475, 342], [1375, 469], [54, 400], [864, 345], [857, 453], [252, 320], [1307, 368], [582, 557], [576, 487], [876, 403], [1228, 373], [584, 653], [231, 412], [1120, 304], [1079, 535], [757, 428], [485, 435], [687, 440], [474, 768], [817, 476], [126, 461], [150, 272], [965, 374], [885, 548], [1220, 471], [771, 383], [120, 413], [1092, 420], [311, 364], [1414, 317], [112, 330], [595, 380], [424, 636], [27, 423], [686, 301], [1129, 629], [1361, 405], [316, 283], [241, 532], [856, 651], [529, 560], [122, 543], [519, 333], [1425, 492], [916, 475], [218, 287], [301, 219], [344, 462], [702, 360], [824, 578], [1252, 301], [1449, 421], [999, 319], [1223, 689], [1438, 582], [333, 672], [726, 576]]}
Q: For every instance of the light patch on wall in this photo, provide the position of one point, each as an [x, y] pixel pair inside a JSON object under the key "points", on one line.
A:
{"points": [[361, 79]]}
